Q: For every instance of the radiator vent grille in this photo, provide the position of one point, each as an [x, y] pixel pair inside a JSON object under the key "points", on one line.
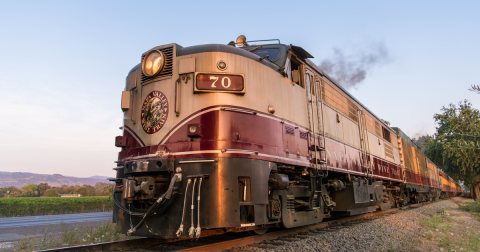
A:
{"points": [[289, 130], [167, 69], [389, 151], [303, 135]]}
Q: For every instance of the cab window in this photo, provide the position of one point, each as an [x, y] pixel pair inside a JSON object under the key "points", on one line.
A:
{"points": [[271, 52]]}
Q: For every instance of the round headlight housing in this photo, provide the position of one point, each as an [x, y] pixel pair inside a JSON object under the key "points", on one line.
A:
{"points": [[153, 63]]}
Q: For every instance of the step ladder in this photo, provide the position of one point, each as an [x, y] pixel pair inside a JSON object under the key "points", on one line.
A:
{"points": [[315, 145], [364, 143]]}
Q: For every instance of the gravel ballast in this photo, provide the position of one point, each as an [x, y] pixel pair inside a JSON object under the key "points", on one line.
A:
{"points": [[401, 231]]}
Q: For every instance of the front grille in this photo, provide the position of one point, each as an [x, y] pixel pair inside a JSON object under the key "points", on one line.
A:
{"points": [[167, 69]]}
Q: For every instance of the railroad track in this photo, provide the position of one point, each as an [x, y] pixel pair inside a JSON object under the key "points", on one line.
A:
{"points": [[230, 240]]}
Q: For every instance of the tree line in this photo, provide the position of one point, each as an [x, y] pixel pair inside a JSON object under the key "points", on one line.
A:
{"points": [[44, 190], [455, 147]]}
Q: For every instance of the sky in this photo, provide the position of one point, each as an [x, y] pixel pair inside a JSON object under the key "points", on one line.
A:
{"points": [[63, 64]]}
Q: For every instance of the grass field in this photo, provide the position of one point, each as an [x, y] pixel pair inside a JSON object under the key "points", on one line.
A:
{"points": [[36, 201]]}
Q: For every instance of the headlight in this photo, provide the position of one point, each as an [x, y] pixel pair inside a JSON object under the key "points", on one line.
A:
{"points": [[153, 63]]}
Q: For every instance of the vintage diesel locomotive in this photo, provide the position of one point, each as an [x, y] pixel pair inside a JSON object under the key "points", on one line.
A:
{"points": [[252, 135]]}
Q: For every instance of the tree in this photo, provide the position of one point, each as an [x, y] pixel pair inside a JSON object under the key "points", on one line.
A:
{"points": [[14, 192], [455, 146], [3, 192], [30, 190], [475, 89], [420, 141], [52, 192], [104, 189], [42, 187], [64, 189], [85, 190]]}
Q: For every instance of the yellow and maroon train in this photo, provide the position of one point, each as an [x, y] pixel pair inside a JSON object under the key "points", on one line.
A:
{"points": [[263, 136]]}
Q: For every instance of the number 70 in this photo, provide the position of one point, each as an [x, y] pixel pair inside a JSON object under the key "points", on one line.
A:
{"points": [[229, 82]]}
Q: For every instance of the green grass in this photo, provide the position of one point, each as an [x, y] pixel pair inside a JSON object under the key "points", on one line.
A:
{"points": [[473, 242], [26, 201], [433, 222], [472, 207], [36, 201], [445, 242]]}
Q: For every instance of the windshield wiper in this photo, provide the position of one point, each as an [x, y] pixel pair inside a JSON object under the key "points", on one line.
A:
{"points": [[281, 69], [254, 49]]}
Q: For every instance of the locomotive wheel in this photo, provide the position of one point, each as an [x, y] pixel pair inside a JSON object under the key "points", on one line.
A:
{"points": [[258, 231]]}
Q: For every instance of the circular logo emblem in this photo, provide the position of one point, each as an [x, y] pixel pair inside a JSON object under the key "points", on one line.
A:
{"points": [[154, 112]]}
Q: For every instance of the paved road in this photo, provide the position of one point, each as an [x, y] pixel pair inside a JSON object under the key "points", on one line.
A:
{"points": [[18, 228], [53, 219]]}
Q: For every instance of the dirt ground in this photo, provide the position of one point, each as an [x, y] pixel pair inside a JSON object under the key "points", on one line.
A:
{"points": [[450, 228]]}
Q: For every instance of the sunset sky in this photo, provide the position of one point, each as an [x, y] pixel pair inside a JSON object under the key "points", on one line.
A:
{"points": [[63, 64]]}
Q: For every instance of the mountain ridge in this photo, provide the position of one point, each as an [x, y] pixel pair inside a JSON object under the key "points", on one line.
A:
{"points": [[19, 179]]}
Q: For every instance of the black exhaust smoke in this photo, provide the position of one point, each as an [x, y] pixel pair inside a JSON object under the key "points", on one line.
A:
{"points": [[350, 70]]}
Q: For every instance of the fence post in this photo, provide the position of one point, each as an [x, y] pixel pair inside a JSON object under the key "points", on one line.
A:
{"points": [[82, 207], [8, 212], [61, 208], [103, 207], [36, 210]]}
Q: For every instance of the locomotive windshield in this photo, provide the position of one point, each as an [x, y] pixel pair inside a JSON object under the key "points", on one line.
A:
{"points": [[271, 52]]}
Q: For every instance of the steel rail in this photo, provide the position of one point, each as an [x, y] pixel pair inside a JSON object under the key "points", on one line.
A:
{"points": [[224, 245]]}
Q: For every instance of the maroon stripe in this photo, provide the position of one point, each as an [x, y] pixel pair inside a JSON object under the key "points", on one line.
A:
{"points": [[226, 106], [262, 134], [135, 134]]}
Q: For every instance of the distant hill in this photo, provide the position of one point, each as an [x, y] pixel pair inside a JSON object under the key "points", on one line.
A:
{"points": [[19, 179]]}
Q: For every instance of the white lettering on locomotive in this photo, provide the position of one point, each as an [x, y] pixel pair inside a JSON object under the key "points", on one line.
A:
{"points": [[228, 80], [214, 78]]}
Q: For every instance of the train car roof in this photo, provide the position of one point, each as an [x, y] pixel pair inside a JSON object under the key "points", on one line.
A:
{"points": [[182, 51], [233, 50]]}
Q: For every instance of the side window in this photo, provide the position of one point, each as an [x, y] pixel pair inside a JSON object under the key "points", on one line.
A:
{"points": [[296, 67], [386, 134]]}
